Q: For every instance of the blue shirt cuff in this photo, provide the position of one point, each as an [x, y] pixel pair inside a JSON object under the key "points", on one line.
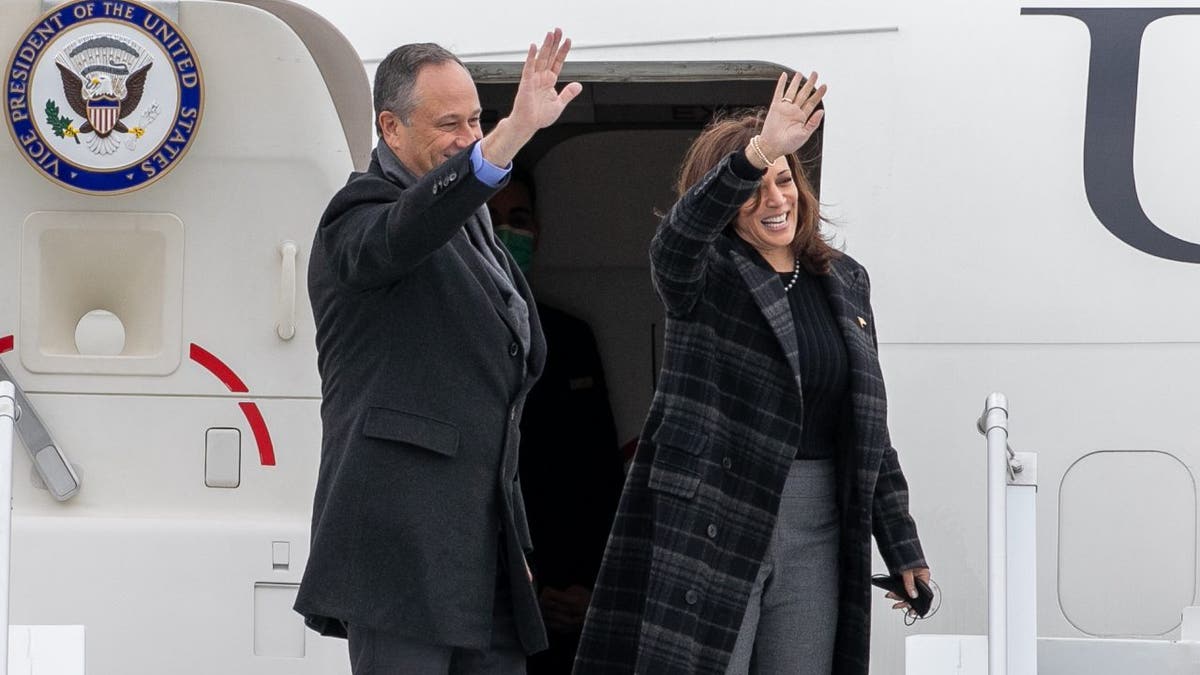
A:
{"points": [[489, 174]]}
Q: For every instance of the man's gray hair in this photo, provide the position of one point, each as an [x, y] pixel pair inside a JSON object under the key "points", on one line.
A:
{"points": [[396, 78]]}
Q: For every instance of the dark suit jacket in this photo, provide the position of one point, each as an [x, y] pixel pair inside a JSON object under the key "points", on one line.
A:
{"points": [[703, 494], [423, 382]]}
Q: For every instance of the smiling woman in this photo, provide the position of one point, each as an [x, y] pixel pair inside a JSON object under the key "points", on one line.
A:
{"points": [[742, 540], [768, 221]]}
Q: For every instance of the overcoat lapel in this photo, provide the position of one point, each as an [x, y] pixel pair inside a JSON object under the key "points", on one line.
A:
{"points": [[537, 340], [851, 320], [768, 295], [474, 263], [866, 395], [470, 259]]}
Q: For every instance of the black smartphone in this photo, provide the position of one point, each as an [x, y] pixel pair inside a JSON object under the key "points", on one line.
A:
{"points": [[895, 583]]}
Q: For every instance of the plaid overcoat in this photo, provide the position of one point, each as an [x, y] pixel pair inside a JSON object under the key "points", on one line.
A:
{"points": [[702, 496]]}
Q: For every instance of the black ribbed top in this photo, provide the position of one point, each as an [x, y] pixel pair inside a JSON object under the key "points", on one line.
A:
{"points": [[824, 370]]}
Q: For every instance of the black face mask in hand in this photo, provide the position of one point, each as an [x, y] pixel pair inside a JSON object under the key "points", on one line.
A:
{"points": [[920, 607]]}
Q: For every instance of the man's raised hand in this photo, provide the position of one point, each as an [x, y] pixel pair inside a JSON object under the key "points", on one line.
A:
{"points": [[538, 104]]}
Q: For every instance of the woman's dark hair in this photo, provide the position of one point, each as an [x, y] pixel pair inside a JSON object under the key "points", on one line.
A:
{"points": [[732, 133]]}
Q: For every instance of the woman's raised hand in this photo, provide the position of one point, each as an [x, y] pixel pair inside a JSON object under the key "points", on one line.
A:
{"points": [[792, 117]]}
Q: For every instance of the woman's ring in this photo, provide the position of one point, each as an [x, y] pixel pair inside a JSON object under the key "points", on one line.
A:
{"points": [[787, 100]]}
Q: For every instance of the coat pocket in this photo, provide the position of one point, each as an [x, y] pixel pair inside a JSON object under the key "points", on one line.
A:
{"points": [[689, 438], [673, 482], [401, 427], [674, 472]]}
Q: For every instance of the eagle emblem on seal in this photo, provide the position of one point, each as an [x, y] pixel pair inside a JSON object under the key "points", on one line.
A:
{"points": [[103, 78]]}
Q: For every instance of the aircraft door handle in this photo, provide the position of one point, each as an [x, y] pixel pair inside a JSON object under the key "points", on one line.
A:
{"points": [[285, 322]]}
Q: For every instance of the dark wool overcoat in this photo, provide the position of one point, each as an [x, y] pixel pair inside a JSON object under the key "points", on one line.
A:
{"points": [[701, 499], [423, 377]]}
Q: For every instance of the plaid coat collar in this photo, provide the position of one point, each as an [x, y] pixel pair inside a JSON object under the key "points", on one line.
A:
{"points": [[768, 294], [846, 293]]}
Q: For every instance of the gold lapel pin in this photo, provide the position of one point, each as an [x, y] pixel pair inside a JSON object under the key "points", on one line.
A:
{"points": [[862, 323]]}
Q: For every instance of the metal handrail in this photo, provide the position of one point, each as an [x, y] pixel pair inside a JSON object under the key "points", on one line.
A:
{"points": [[9, 412], [1012, 547], [994, 424]]}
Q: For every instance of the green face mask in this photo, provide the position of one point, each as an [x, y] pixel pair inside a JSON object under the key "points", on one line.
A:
{"points": [[519, 243]]}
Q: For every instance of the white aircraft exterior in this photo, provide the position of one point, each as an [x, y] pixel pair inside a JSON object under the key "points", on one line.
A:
{"points": [[1018, 178]]}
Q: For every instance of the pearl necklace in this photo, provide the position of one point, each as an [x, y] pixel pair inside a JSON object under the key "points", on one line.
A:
{"points": [[795, 276]]}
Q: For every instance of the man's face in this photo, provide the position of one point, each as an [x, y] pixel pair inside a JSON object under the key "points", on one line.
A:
{"points": [[444, 122]]}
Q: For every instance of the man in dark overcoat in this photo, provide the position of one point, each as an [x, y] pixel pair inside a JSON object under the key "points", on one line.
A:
{"points": [[428, 341]]}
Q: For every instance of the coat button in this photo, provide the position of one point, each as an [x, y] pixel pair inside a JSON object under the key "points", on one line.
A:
{"points": [[727, 463], [712, 531], [513, 349], [691, 597]]}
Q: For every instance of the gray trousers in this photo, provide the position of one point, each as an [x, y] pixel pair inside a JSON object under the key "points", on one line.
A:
{"points": [[376, 653], [791, 618]]}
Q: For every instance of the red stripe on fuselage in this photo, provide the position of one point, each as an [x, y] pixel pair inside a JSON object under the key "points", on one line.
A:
{"points": [[266, 450], [218, 368]]}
